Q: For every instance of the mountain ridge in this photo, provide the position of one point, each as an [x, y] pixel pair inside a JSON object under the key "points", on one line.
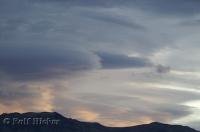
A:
{"points": [[55, 122]]}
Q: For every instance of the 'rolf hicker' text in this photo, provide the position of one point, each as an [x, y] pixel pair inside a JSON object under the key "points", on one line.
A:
{"points": [[30, 121]]}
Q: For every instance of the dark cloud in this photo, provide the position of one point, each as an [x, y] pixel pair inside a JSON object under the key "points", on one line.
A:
{"points": [[162, 69], [95, 27], [170, 7], [118, 20], [31, 62], [110, 61], [79, 2], [41, 26], [164, 7]]}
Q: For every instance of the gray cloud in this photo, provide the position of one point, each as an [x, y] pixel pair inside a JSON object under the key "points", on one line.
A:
{"points": [[31, 62], [118, 20], [111, 61], [170, 7], [120, 108], [162, 69], [165, 7], [193, 22]]}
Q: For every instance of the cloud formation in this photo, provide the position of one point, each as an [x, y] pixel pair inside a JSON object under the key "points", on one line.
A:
{"points": [[100, 60], [113, 61], [36, 62]]}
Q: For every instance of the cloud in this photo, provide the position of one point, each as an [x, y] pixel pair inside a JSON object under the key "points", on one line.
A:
{"points": [[176, 8], [114, 61], [43, 41], [106, 92], [191, 23], [30, 62], [118, 20], [121, 110], [162, 69], [23, 97]]}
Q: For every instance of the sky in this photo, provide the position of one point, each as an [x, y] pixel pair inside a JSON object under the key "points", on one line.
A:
{"points": [[117, 62]]}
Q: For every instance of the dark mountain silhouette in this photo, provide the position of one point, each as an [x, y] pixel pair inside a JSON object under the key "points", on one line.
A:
{"points": [[54, 122]]}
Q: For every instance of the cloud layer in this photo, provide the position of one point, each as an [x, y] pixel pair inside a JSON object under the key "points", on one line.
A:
{"points": [[100, 60]]}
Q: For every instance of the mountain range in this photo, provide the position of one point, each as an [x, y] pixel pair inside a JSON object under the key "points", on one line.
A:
{"points": [[55, 122]]}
